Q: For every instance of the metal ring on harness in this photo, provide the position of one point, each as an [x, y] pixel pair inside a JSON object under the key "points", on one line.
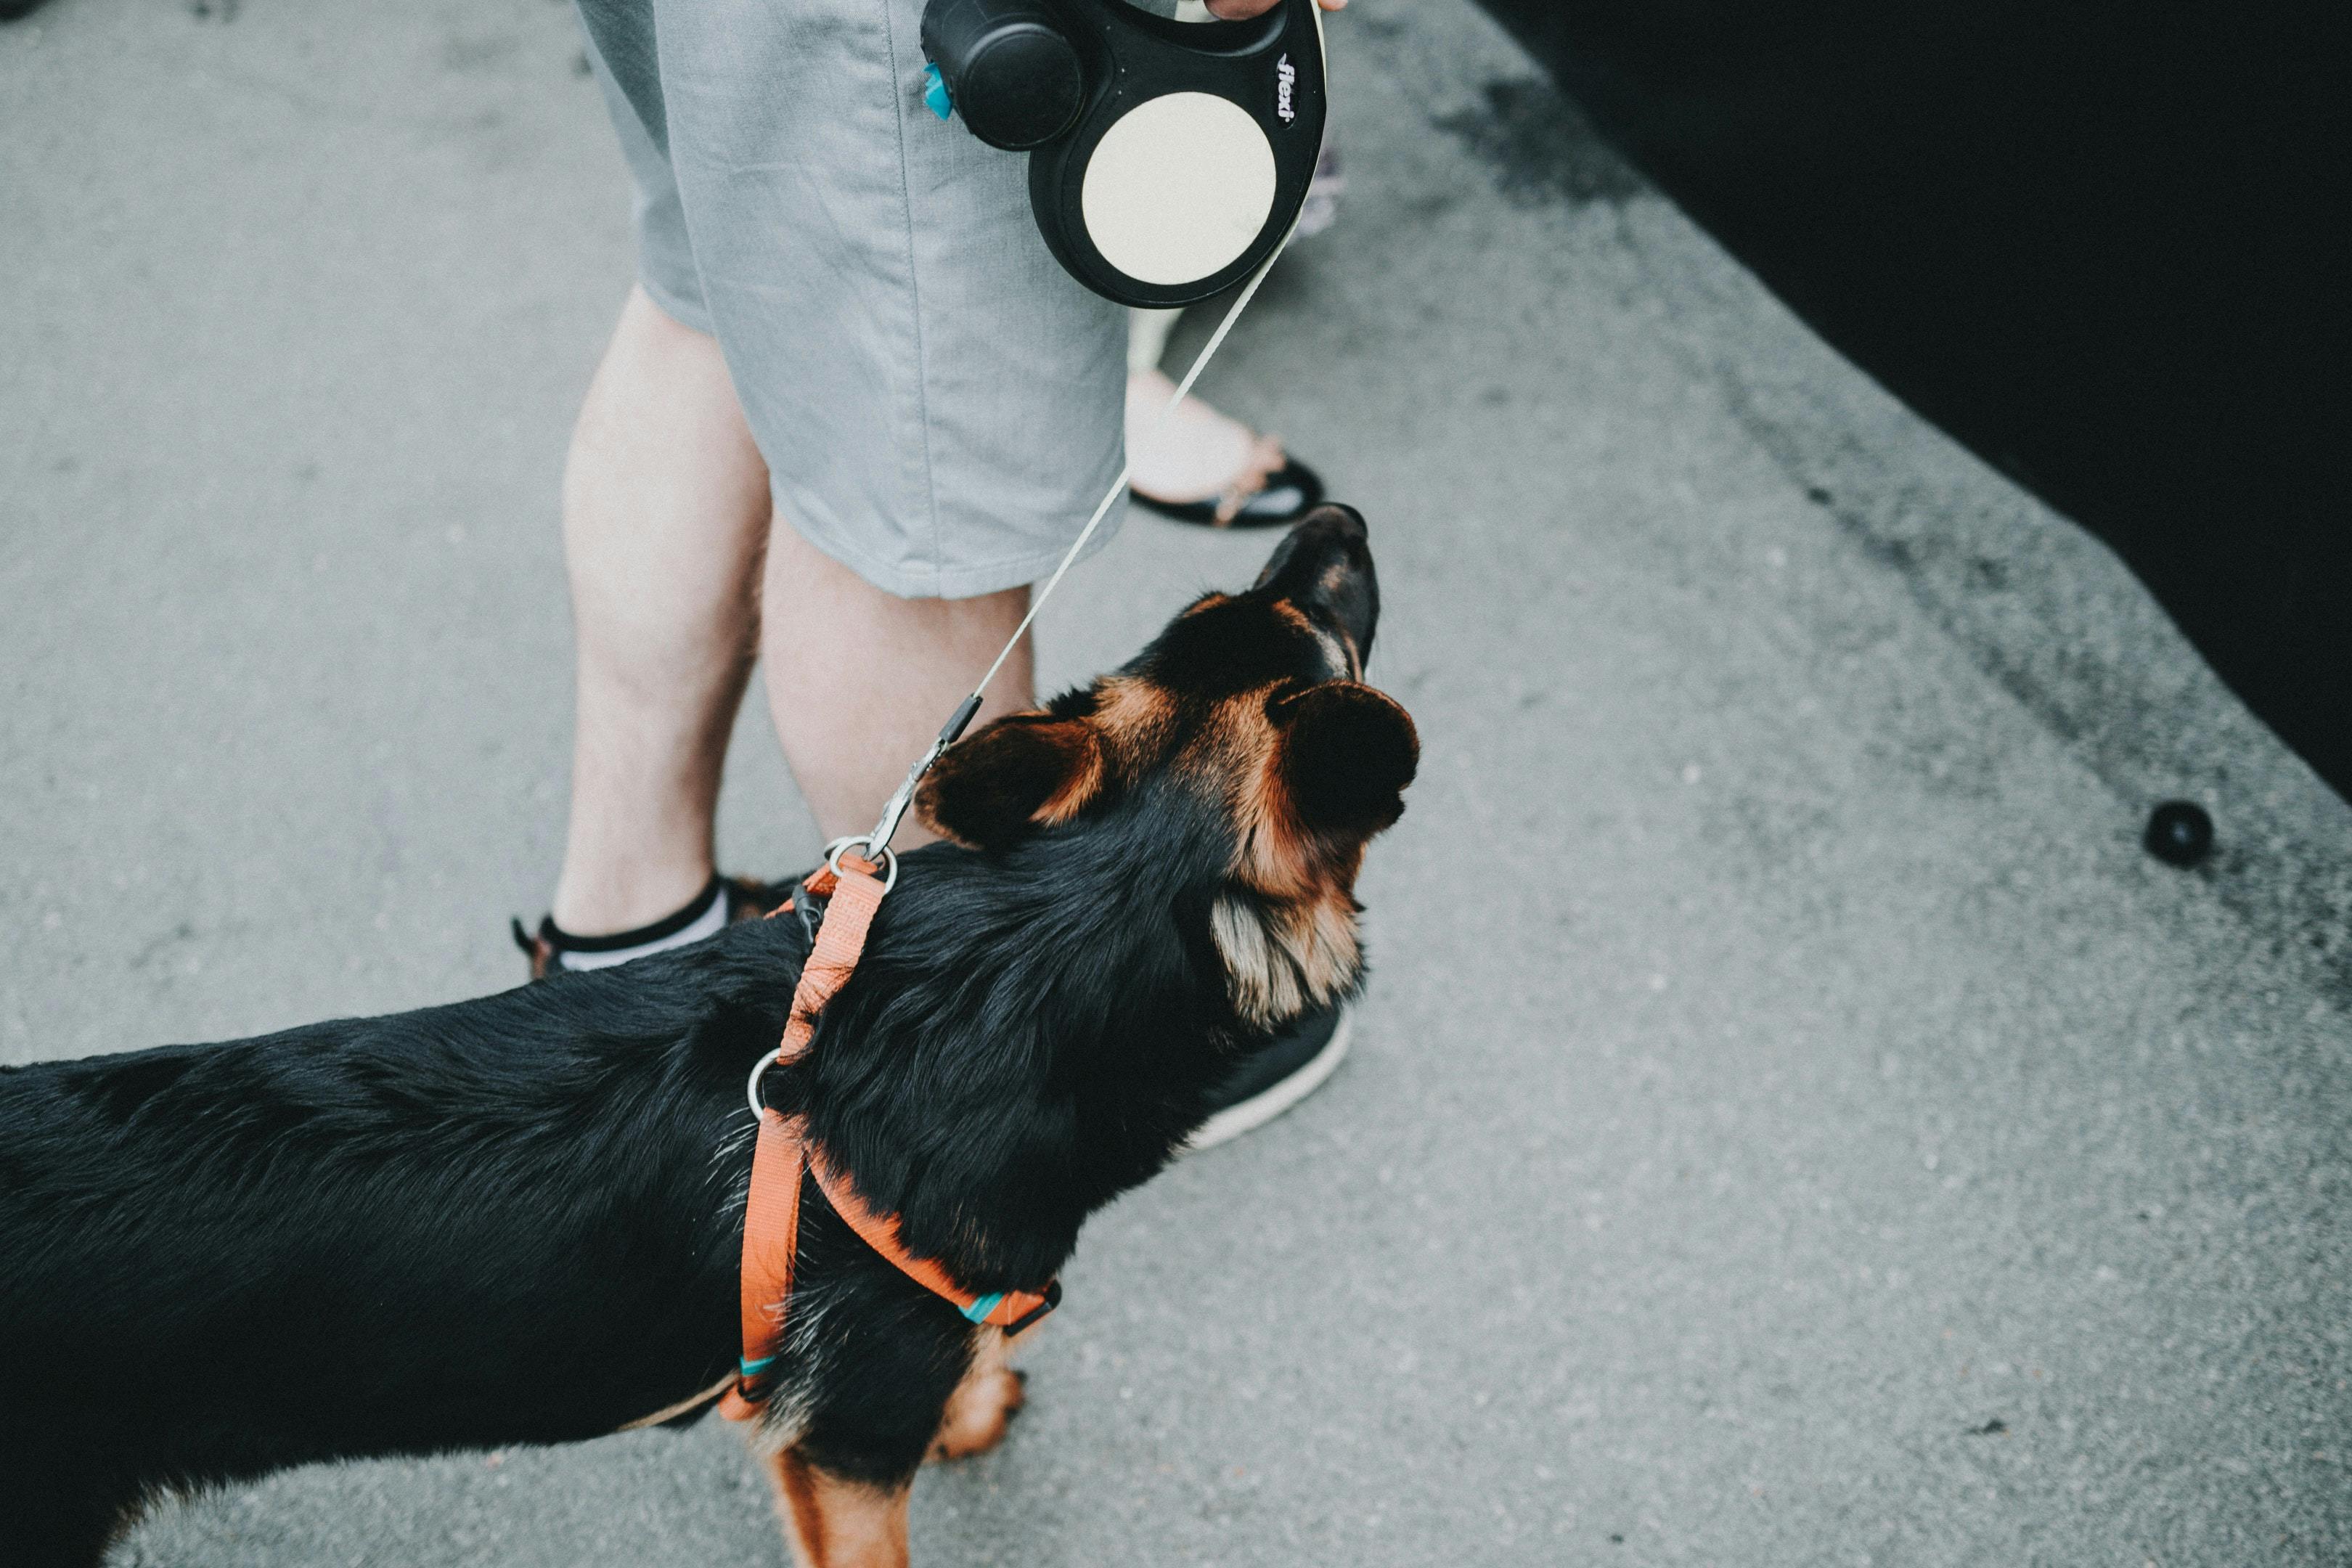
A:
{"points": [[888, 861], [751, 1090]]}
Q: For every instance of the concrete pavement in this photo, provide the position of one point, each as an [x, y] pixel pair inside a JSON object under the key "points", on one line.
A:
{"points": [[1791, 1122]]}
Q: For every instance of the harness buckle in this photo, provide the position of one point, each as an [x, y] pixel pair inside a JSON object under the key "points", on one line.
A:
{"points": [[1053, 1299]]}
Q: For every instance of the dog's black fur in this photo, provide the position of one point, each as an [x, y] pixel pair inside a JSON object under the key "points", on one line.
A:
{"points": [[518, 1219]]}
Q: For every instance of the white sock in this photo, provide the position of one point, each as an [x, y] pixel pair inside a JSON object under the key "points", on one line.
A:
{"points": [[706, 916]]}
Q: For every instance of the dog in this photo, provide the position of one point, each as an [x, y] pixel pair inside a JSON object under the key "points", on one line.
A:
{"points": [[520, 1219]]}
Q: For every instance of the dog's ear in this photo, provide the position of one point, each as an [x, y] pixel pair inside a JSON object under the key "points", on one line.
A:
{"points": [[1023, 772], [1347, 753]]}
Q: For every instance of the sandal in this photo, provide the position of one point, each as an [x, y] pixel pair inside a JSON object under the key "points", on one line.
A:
{"points": [[1262, 487]]}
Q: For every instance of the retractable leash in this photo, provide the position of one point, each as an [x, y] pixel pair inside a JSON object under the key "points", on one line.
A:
{"points": [[1168, 160], [1128, 79]]}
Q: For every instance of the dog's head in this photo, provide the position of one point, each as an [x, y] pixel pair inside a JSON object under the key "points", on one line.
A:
{"points": [[1245, 742]]}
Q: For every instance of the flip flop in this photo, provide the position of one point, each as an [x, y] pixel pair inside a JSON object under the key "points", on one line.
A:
{"points": [[1269, 489]]}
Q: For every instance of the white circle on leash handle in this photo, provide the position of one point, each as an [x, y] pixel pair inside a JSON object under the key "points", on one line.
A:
{"points": [[1179, 188]]}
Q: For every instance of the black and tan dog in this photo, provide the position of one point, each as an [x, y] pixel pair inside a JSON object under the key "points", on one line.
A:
{"points": [[519, 1219]]}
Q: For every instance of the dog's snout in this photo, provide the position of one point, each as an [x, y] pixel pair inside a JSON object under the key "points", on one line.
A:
{"points": [[1325, 567]]}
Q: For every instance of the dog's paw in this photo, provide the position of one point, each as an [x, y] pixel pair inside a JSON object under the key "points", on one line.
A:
{"points": [[978, 1413]]}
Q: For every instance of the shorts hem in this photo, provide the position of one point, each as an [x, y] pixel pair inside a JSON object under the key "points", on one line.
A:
{"points": [[962, 580], [690, 314]]}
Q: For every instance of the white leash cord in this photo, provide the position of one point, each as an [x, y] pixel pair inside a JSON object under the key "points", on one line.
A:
{"points": [[1118, 486], [877, 843]]}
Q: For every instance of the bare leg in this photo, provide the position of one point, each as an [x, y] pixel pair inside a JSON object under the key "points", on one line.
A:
{"points": [[833, 1523], [664, 515], [860, 681]]}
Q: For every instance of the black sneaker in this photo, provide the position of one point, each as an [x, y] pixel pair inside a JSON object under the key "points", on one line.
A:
{"points": [[747, 898], [1276, 1078]]}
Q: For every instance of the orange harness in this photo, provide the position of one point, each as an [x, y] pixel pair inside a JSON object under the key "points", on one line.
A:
{"points": [[771, 1216]]}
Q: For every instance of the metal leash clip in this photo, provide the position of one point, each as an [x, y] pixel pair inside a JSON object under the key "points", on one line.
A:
{"points": [[877, 843]]}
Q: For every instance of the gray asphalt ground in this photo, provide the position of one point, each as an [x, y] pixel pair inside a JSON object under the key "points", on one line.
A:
{"points": [[1791, 1123]]}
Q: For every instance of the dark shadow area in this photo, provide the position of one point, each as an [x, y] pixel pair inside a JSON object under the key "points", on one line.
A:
{"points": [[2086, 240]]}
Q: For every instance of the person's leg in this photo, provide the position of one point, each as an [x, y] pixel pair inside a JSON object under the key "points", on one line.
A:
{"points": [[665, 516], [859, 680]]}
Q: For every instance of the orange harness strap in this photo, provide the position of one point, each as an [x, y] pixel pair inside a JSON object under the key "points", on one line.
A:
{"points": [[771, 1214]]}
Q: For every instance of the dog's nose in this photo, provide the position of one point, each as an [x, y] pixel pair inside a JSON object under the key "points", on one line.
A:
{"points": [[1325, 567], [1338, 519]]}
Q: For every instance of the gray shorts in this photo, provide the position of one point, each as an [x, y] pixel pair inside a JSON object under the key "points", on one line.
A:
{"points": [[940, 406]]}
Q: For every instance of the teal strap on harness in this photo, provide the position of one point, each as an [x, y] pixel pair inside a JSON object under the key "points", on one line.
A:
{"points": [[978, 1311]]}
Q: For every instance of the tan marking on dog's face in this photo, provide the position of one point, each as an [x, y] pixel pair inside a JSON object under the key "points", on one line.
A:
{"points": [[1282, 960], [1336, 648], [1212, 707], [1293, 945], [1350, 657], [1274, 851]]}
